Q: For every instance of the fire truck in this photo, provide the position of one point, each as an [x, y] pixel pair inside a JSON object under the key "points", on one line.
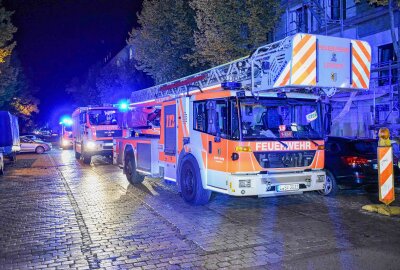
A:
{"points": [[66, 140], [93, 130], [251, 127]]}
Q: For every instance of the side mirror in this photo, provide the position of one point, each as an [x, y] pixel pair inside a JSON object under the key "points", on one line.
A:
{"points": [[217, 138]]}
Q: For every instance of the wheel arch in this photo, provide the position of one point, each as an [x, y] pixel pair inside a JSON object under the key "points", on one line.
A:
{"points": [[128, 148], [182, 158]]}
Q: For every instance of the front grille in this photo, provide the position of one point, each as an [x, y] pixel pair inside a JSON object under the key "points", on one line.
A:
{"points": [[285, 159], [108, 133]]}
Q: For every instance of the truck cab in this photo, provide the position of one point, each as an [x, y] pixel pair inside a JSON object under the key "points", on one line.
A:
{"points": [[93, 130]]}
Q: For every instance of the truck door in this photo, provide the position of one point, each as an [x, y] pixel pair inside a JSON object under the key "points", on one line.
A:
{"points": [[169, 126], [217, 120]]}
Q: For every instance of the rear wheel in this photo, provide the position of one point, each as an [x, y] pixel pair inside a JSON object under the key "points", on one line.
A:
{"points": [[86, 158], [1, 165], [13, 157], [39, 150], [77, 155], [330, 188], [190, 182], [130, 170]]}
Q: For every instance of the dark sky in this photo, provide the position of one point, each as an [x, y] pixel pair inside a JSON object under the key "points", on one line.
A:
{"points": [[60, 39]]}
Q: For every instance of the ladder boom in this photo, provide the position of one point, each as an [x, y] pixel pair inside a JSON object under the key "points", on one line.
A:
{"points": [[297, 63]]}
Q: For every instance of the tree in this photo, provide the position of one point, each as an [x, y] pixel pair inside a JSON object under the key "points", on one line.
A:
{"points": [[164, 39], [116, 82], [84, 91], [7, 30], [8, 73], [231, 29]]}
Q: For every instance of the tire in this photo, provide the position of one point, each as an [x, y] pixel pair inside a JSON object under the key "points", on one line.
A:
{"points": [[1, 166], [39, 150], [77, 155], [330, 188], [13, 157], [86, 158], [190, 182], [132, 175]]}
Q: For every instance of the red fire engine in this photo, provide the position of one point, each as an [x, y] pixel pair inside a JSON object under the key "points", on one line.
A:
{"points": [[254, 126], [93, 130]]}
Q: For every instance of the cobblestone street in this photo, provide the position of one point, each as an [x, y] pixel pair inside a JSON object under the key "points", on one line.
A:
{"points": [[57, 212]]}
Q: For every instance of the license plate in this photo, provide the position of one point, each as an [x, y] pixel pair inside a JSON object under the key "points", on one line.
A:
{"points": [[375, 166], [290, 187]]}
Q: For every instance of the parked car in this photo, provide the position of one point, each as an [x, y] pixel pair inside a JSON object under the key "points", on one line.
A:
{"points": [[37, 146], [352, 163]]}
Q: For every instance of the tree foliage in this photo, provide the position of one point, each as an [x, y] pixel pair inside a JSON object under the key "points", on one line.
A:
{"points": [[7, 30], [164, 38], [84, 90], [177, 38], [117, 81], [231, 29]]}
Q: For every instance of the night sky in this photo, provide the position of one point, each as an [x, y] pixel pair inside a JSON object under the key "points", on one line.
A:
{"points": [[59, 39]]}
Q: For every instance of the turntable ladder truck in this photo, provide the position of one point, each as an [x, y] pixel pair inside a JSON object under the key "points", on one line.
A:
{"points": [[251, 127]]}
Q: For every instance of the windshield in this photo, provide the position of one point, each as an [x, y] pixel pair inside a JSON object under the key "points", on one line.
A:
{"points": [[68, 128], [366, 147], [280, 118], [103, 117]]}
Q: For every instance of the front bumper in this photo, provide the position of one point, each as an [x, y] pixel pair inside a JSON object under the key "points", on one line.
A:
{"points": [[103, 148], [268, 185]]}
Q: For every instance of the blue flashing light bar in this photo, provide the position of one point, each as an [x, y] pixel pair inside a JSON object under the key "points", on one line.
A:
{"points": [[66, 121], [231, 85], [123, 106]]}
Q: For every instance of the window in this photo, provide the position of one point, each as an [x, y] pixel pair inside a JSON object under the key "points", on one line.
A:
{"points": [[82, 118], [332, 147], [336, 6], [211, 117], [385, 56], [302, 19]]}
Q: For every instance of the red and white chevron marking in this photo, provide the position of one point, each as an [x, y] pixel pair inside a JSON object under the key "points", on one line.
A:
{"points": [[361, 64], [386, 183]]}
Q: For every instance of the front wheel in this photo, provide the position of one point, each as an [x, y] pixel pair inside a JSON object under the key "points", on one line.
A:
{"points": [[87, 158], [1, 166], [132, 175], [330, 187], [190, 182], [39, 150]]}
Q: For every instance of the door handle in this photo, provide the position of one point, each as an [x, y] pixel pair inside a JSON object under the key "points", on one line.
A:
{"points": [[209, 147]]}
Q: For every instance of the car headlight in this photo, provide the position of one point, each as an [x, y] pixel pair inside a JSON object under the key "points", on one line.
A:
{"points": [[91, 145], [65, 142]]}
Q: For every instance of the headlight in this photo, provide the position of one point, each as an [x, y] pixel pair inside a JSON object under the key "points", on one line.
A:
{"points": [[321, 178], [244, 183], [65, 142], [91, 145]]}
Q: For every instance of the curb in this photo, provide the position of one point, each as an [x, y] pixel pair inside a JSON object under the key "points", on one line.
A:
{"points": [[382, 209]]}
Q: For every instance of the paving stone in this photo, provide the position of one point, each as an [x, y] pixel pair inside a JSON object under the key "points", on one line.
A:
{"points": [[70, 215]]}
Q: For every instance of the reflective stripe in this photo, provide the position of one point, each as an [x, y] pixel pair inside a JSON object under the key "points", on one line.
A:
{"points": [[361, 60], [387, 187], [304, 67]]}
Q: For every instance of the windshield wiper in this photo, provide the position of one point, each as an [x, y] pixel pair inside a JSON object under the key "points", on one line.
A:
{"points": [[281, 142], [311, 140]]}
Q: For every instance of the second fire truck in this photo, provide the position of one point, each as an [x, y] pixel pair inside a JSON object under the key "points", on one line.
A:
{"points": [[93, 130], [254, 126]]}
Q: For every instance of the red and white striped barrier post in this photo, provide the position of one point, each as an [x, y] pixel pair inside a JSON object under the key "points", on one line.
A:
{"points": [[385, 167]]}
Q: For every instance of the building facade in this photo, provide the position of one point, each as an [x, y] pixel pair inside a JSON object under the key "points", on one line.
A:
{"points": [[357, 114]]}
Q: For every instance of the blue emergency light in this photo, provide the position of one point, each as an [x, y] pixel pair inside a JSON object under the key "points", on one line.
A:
{"points": [[123, 106], [66, 121]]}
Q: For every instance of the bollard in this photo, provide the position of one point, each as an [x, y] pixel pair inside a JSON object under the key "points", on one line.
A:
{"points": [[385, 167]]}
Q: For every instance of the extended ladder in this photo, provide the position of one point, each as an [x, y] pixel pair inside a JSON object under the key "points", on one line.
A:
{"points": [[300, 62]]}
